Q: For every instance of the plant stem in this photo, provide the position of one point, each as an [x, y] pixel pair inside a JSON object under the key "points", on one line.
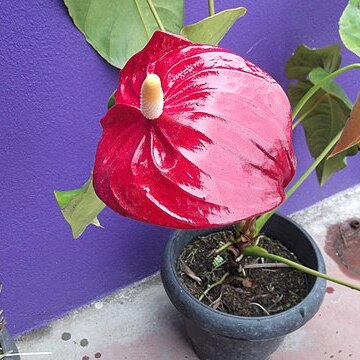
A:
{"points": [[156, 15], [258, 251], [222, 248], [214, 285], [312, 167], [265, 265], [261, 221], [297, 122], [211, 7], [316, 87]]}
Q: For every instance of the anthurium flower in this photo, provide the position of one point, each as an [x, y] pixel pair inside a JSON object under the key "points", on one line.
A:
{"points": [[198, 137]]}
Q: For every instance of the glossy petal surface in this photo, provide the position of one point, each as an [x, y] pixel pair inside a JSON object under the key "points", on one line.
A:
{"points": [[220, 152]]}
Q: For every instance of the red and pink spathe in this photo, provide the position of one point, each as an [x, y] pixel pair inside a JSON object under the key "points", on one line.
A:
{"points": [[218, 151]]}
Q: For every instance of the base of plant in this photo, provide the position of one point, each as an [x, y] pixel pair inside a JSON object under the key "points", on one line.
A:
{"points": [[241, 286]]}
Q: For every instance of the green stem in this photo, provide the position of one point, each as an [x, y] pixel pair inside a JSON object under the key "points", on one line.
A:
{"points": [[156, 15], [297, 122], [316, 87], [211, 7], [257, 251], [222, 248], [261, 221], [214, 285], [313, 166]]}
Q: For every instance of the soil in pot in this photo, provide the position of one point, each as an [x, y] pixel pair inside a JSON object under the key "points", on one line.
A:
{"points": [[250, 287]]}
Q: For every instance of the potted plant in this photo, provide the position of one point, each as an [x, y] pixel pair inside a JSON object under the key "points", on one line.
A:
{"points": [[199, 138], [197, 149]]}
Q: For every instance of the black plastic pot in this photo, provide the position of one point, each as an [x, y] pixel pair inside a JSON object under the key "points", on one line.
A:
{"points": [[8, 345], [216, 335]]}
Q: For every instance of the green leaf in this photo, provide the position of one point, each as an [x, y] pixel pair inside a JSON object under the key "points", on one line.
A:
{"points": [[304, 60], [213, 28], [117, 29], [324, 116], [349, 26], [331, 87], [80, 207]]}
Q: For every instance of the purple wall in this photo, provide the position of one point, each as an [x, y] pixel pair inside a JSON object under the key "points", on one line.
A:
{"points": [[53, 92]]}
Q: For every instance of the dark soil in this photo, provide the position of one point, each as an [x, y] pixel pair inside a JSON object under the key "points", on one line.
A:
{"points": [[256, 291]]}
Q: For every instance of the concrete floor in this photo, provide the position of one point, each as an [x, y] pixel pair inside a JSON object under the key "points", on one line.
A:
{"points": [[140, 323]]}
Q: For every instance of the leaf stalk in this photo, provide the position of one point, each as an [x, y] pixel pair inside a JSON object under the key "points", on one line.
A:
{"points": [[257, 251], [211, 7], [156, 15], [318, 86]]}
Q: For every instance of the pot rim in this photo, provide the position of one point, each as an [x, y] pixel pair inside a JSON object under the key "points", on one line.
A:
{"points": [[303, 309]]}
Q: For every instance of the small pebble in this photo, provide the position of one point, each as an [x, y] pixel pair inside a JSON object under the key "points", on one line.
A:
{"points": [[99, 305], [84, 342], [66, 336]]}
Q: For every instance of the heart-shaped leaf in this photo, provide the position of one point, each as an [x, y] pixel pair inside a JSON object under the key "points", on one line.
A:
{"points": [[325, 114], [351, 134], [304, 60], [80, 207], [349, 26], [213, 28], [117, 29]]}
